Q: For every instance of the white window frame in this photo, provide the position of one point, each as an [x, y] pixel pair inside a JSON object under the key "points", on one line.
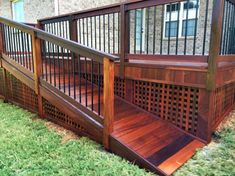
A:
{"points": [[13, 11], [182, 17]]}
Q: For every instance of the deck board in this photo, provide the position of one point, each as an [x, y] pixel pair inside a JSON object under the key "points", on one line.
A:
{"points": [[156, 141]]}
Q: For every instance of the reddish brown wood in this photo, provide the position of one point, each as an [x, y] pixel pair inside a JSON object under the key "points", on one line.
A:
{"points": [[108, 101], [174, 58], [124, 44], [217, 20], [36, 48], [5, 86]]}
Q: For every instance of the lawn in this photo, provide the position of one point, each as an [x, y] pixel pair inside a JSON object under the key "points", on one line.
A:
{"points": [[30, 146]]}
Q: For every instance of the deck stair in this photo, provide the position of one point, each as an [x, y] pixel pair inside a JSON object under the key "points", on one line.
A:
{"points": [[142, 137]]}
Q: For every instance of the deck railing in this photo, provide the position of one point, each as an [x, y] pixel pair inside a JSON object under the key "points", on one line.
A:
{"points": [[228, 30], [178, 27], [63, 65]]}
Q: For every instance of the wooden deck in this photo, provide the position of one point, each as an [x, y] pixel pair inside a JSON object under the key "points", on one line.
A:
{"points": [[157, 143]]}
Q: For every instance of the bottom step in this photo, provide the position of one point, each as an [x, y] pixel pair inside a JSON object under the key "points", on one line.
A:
{"points": [[167, 167], [152, 143]]}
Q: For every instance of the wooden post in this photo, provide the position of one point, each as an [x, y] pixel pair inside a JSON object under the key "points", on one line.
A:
{"points": [[108, 100], [73, 29], [205, 113], [1, 42], [5, 85], [217, 21], [37, 70], [124, 41], [206, 103]]}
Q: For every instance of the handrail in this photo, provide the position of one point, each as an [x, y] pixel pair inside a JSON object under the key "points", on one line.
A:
{"points": [[68, 44], [78, 55], [131, 4]]}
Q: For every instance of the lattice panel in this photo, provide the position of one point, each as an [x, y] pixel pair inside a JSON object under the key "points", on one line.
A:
{"points": [[1, 82], [21, 94], [119, 87], [224, 100], [119, 84], [177, 104], [53, 113]]}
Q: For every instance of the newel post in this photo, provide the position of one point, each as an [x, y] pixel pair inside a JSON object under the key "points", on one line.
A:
{"points": [[5, 87], [124, 40], [206, 100], [108, 69], [36, 43], [215, 40]]}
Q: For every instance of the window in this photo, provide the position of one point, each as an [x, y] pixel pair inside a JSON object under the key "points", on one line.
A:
{"points": [[190, 27], [18, 10], [171, 29], [181, 18]]}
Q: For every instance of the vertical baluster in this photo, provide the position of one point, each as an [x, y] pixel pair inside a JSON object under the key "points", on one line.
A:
{"points": [[86, 77], [13, 44], [4, 41], [195, 29], [80, 32], [28, 50], [177, 35], [162, 24], [42, 58], [74, 78], [141, 28], [99, 88], [10, 42], [228, 28], [62, 54], [53, 55], [104, 33], [19, 46], [80, 78], [91, 32], [154, 29], [186, 29], [87, 33], [95, 32], [58, 64], [22, 48], [232, 31], [68, 69], [25, 51], [92, 85], [49, 58], [169, 31], [83, 31], [108, 33], [205, 28], [99, 33], [147, 47], [135, 30], [118, 32], [31, 46], [225, 27]]}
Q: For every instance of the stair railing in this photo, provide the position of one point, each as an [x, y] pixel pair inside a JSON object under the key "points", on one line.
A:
{"points": [[72, 68]]}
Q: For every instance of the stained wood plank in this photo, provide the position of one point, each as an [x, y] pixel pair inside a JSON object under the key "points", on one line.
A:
{"points": [[169, 150], [177, 160]]}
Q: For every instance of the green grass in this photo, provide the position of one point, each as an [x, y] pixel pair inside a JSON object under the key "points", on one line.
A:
{"points": [[29, 148], [216, 159]]}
